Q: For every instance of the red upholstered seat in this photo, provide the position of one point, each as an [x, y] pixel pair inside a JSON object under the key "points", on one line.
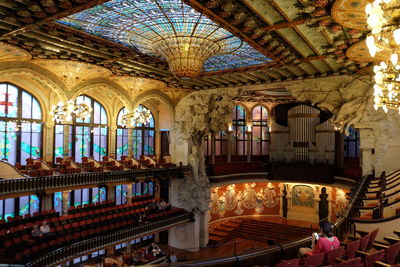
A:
{"points": [[375, 256], [351, 249], [364, 242], [366, 216], [356, 262], [392, 253], [314, 260], [288, 263]]}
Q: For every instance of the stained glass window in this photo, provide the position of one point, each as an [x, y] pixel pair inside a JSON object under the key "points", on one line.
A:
{"points": [[20, 125], [121, 192], [28, 204], [143, 137], [137, 23], [87, 137], [260, 131], [122, 136], [239, 130], [57, 202], [352, 144]]}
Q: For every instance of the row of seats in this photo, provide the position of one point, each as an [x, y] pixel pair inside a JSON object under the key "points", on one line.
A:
{"points": [[381, 198], [20, 247], [360, 251]]}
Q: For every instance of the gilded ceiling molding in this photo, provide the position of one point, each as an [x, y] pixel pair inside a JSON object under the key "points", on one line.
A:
{"points": [[152, 94], [101, 84], [13, 53], [38, 73], [71, 73]]}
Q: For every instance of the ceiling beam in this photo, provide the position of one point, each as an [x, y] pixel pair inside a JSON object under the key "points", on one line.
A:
{"points": [[64, 13], [225, 24]]}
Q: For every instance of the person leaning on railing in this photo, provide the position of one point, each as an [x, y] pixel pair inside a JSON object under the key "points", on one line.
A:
{"points": [[323, 242]]}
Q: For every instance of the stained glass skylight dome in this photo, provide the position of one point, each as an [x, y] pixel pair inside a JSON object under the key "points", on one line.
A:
{"points": [[170, 29]]}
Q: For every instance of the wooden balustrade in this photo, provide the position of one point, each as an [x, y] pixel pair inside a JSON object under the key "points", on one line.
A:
{"points": [[35, 184], [93, 244]]}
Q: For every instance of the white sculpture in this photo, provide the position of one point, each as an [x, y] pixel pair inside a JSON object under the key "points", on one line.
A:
{"points": [[198, 115]]}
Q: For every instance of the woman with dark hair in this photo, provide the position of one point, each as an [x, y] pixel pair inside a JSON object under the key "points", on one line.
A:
{"points": [[323, 242]]}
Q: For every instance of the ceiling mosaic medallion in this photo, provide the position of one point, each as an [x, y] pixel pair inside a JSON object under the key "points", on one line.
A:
{"points": [[168, 29], [13, 53], [72, 72], [359, 52], [350, 13]]}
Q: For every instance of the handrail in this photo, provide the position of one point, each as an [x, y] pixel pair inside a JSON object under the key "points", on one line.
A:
{"points": [[341, 227], [33, 184], [97, 243], [238, 176]]}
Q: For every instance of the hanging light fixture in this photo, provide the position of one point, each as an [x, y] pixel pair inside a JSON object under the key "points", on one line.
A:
{"points": [[63, 112], [132, 119], [383, 19]]}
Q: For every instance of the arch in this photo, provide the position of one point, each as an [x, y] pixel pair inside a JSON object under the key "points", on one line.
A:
{"points": [[153, 94], [21, 125], [260, 104], [103, 85], [35, 72]]}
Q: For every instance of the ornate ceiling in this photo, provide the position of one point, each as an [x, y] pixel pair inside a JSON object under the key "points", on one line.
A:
{"points": [[304, 40]]}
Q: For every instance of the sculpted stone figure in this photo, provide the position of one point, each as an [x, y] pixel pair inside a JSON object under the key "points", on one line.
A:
{"points": [[198, 115]]}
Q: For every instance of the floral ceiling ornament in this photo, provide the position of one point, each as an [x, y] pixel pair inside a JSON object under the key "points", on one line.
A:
{"points": [[63, 112]]}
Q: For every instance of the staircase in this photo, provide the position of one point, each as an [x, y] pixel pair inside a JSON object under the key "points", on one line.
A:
{"points": [[223, 232], [262, 231]]}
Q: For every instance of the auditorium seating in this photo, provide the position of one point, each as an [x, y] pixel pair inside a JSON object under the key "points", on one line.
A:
{"points": [[79, 224], [369, 253]]}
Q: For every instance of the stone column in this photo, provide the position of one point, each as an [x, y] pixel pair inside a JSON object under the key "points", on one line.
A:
{"points": [[212, 149], [157, 144], [281, 197], [112, 134], [130, 143], [46, 201], [66, 140], [248, 145], [65, 196], [48, 145], [330, 199], [229, 152], [111, 192], [129, 193]]}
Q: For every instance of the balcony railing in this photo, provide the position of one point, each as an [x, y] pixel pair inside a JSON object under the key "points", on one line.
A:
{"points": [[90, 245], [34, 184]]}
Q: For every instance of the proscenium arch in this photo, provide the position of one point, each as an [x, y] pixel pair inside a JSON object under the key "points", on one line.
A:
{"points": [[103, 84]]}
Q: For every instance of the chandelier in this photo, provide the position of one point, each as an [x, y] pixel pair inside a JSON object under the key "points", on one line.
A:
{"points": [[177, 33], [63, 112], [132, 119], [383, 20]]}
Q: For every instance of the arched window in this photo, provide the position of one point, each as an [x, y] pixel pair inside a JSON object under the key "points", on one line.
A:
{"points": [[20, 125], [260, 131], [88, 136], [143, 136], [352, 144], [239, 130], [122, 136]]}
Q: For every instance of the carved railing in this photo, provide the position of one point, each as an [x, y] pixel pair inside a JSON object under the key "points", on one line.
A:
{"points": [[93, 244], [34, 184]]}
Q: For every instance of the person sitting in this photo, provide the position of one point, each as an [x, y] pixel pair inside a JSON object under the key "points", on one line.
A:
{"points": [[172, 257], [153, 206], [36, 232], [45, 229], [164, 205], [155, 250], [323, 242]]}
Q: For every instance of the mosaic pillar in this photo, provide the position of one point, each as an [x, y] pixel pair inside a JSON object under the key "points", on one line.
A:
{"points": [[130, 143], [65, 195], [129, 193]]}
